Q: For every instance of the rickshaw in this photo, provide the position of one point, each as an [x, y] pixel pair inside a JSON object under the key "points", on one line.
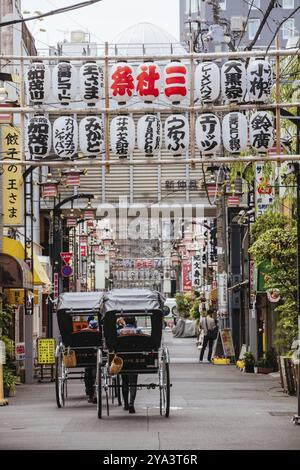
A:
{"points": [[142, 354], [73, 312]]}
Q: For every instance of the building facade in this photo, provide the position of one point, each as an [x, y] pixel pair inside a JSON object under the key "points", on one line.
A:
{"points": [[241, 20]]}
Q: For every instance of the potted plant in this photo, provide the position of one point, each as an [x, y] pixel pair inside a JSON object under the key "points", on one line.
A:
{"points": [[9, 381], [267, 363], [249, 361]]}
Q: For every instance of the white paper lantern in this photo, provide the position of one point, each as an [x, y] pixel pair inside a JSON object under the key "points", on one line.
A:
{"points": [[259, 80], [65, 137], [175, 82], [177, 134], [233, 80], [149, 134], [235, 132], [91, 83], [38, 137], [208, 133], [207, 82], [122, 136], [91, 136], [121, 82], [148, 81], [37, 82], [261, 131], [64, 83]]}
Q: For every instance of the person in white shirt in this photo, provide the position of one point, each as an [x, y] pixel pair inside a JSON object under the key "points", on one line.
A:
{"points": [[208, 325]]}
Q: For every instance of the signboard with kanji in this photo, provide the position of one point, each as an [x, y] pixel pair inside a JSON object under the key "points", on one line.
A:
{"points": [[12, 178], [46, 351]]}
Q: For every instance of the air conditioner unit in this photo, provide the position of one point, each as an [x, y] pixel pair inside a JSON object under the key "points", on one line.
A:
{"points": [[237, 23], [78, 36]]}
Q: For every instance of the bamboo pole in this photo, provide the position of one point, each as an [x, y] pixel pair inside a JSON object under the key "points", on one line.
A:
{"points": [[152, 161], [106, 74], [192, 113], [146, 110], [143, 57], [278, 96]]}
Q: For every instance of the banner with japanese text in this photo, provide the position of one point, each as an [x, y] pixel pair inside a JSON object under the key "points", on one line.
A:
{"points": [[12, 178], [187, 275]]}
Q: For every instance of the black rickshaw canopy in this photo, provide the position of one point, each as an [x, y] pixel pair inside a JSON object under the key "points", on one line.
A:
{"points": [[132, 300]]}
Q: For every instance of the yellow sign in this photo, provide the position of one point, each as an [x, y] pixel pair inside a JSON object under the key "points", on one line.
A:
{"points": [[12, 178], [15, 296], [46, 351]]}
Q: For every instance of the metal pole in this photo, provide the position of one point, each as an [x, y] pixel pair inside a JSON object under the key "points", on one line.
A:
{"points": [[296, 418]]}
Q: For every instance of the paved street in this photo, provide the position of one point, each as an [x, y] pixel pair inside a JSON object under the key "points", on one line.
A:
{"points": [[213, 407]]}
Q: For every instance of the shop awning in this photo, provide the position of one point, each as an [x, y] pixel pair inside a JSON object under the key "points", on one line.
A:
{"points": [[15, 248], [14, 273]]}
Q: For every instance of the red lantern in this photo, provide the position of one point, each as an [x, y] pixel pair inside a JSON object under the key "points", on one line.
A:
{"points": [[175, 81], [71, 222], [50, 187]]}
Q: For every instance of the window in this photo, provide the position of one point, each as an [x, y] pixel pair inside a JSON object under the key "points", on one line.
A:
{"points": [[194, 6], [288, 29], [254, 4], [287, 4], [253, 25], [222, 4]]}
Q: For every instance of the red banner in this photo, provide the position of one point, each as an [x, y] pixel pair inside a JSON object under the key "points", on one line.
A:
{"points": [[187, 275]]}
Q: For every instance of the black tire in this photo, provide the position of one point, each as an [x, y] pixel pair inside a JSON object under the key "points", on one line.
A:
{"points": [[164, 402], [99, 387], [59, 381]]}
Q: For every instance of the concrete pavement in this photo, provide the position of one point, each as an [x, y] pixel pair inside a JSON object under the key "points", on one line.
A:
{"points": [[212, 407]]}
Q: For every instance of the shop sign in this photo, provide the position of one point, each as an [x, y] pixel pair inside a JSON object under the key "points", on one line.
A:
{"points": [[46, 351], [20, 351], [207, 82], [91, 136], [12, 178], [196, 274]]}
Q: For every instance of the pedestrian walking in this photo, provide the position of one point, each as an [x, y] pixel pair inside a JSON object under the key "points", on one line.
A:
{"points": [[209, 326]]}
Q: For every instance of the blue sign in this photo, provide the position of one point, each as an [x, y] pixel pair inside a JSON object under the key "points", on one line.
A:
{"points": [[66, 271]]}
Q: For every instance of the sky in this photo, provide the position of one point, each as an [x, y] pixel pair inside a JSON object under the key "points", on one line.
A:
{"points": [[103, 20]]}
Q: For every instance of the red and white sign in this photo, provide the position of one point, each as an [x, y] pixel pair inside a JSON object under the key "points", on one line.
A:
{"points": [[20, 351], [83, 250], [212, 190], [187, 275], [55, 285], [73, 179], [66, 256]]}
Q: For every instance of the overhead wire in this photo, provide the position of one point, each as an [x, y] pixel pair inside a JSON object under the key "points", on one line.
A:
{"points": [[279, 26], [58, 11]]}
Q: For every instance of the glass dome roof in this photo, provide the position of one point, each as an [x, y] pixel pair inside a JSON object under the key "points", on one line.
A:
{"points": [[145, 38]]}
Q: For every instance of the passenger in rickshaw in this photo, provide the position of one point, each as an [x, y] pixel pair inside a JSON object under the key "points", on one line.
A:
{"points": [[127, 326]]}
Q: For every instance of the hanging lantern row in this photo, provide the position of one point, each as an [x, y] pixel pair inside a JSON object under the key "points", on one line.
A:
{"points": [[209, 134], [234, 81], [149, 83]]}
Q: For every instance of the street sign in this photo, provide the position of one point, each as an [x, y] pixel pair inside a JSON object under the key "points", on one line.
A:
{"points": [[46, 351], [66, 270], [66, 256], [20, 351]]}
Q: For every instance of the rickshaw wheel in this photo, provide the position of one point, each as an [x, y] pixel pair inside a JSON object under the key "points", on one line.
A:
{"points": [[164, 402], [99, 385], [59, 381]]}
